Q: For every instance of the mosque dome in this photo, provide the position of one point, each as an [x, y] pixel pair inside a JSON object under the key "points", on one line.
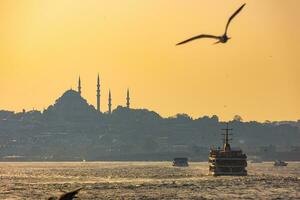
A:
{"points": [[69, 98], [71, 106]]}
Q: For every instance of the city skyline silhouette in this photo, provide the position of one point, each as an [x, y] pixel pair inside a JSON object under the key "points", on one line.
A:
{"points": [[46, 45]]}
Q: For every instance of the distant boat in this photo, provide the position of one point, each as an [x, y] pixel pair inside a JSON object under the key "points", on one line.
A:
{"points": [[280, 163], [256, 160], [180, 162]]}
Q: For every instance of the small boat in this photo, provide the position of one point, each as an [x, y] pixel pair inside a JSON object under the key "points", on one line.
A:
{"points": [[280, 163], [256, 160], [180, 162]]}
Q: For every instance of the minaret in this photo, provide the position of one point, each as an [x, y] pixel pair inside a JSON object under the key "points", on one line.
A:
{"points": [[128, 99], [79, 86], [109, 103], [98, 93]]}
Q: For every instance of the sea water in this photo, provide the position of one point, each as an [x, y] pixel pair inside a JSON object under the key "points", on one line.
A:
{"points": [[145, 180]]}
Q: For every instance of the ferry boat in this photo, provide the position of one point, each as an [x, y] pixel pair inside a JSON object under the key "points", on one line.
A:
{"points": [[227, 161]]}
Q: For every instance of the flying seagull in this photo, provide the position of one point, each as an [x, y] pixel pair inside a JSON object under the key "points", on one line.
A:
{"points": [[67, 196], [221, 39]]}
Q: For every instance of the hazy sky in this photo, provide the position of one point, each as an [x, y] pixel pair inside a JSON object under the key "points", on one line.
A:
{"points": [[45, 45]]}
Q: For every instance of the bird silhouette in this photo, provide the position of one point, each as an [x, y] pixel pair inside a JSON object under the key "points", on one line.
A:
{"points": [[67, 196], [221, 39]]}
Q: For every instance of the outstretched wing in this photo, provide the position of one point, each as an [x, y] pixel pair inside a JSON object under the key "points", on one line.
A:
{"points": [[198, 37], [232, 16], [69, 195]]}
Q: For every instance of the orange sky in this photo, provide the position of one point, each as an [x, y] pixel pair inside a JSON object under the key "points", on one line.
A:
{"points": [[45, 45]]}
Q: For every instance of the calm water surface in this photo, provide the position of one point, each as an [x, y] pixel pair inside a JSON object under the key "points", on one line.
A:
{"points": [[145, 180]]}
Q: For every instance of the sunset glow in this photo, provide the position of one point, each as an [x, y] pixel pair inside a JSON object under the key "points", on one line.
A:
{"points": [[46, 45]]}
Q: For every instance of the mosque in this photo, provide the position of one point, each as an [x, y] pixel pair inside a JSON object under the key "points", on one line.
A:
{"points": [[72, 106]]}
